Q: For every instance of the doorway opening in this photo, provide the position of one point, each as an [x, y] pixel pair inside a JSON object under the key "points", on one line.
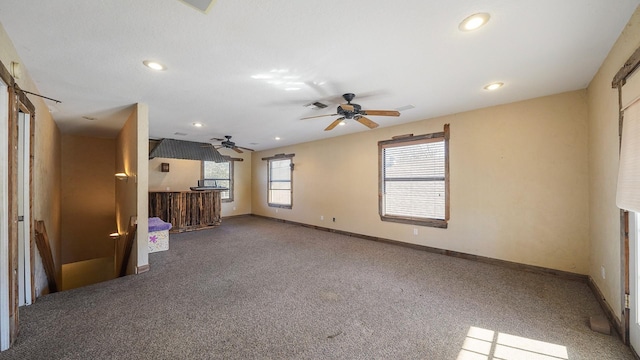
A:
{"points": [[25, 248]]}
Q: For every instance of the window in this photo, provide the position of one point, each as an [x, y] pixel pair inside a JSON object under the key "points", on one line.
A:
{"points": [[414, 179], [280, 170], [221, 175]]}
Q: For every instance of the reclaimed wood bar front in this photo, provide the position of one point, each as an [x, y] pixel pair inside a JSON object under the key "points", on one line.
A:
{"points": [[186, 210]]}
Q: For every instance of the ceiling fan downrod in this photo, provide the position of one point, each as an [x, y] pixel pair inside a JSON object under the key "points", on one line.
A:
{"points": [[349, 97]]}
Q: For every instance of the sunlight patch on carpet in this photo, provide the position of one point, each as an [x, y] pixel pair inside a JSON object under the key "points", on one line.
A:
{"points": [[483, 344]]}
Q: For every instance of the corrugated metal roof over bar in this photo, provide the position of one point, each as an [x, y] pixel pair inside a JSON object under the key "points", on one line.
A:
{"points": [[187, 150]]}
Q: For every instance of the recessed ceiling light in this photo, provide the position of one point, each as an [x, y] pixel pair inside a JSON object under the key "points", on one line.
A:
{"points": [[154, 65], [474, 22], [493, 86], [342, 123], [277, 138], [197, 124]]}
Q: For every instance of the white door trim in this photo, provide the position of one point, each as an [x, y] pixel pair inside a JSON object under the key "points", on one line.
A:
{"points": [[4, 218]]}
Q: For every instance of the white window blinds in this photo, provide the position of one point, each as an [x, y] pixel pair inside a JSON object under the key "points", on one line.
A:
{"points": [[280, 182], [628, 192], [414, 180]]}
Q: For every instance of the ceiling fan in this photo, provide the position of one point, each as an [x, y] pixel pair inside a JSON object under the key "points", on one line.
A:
{"points": [[227, 143], [354, 111]]}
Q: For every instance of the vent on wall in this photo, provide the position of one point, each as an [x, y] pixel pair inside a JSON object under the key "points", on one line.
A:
{"points": [[202, 5]]}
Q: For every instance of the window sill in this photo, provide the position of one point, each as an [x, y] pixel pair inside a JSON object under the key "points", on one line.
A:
{"points": [[436, 223], [280, 206]]}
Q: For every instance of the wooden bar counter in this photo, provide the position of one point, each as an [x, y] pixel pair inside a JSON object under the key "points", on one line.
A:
{"points": [[186, 210]]}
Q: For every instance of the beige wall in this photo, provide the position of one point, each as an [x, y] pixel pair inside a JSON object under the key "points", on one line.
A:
{"points": [[519, 187], [142, 172], [132, 195], [603, 167], [46, 184], [88, 197], [182, 174], [46, 168], [186, 173]]}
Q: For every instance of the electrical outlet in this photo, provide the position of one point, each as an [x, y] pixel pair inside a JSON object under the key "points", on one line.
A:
{"points": [[603, 272], [276, 211], [334, 219], [321, 217], [415, 231], [234, 208]]}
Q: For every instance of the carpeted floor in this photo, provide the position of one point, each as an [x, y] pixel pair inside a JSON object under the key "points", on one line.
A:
{"points": [[255, 288]]}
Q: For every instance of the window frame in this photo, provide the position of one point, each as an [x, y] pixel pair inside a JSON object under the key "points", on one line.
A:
{"points": [[231, 178], [406, 140], [279, 157]]}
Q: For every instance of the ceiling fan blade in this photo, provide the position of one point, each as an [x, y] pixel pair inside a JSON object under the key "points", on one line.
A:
{"points": [[235, 148], [366, 122], [334, 124], [346, 107], [381, 112], [317, 116], [244, 148], [317, 87], [217, 139]]}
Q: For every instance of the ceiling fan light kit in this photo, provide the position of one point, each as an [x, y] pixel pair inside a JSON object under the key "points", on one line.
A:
{"points": [[355, 112]]}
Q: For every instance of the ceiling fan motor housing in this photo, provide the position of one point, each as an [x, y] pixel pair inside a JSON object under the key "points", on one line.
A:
{"points": [[349, 114], [228, 143]]}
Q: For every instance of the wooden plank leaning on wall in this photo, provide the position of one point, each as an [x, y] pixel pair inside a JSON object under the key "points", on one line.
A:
{"points": [[42, 241]]}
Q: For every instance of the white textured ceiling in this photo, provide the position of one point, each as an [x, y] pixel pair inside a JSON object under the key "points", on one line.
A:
{"points": [[89, 54]]}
